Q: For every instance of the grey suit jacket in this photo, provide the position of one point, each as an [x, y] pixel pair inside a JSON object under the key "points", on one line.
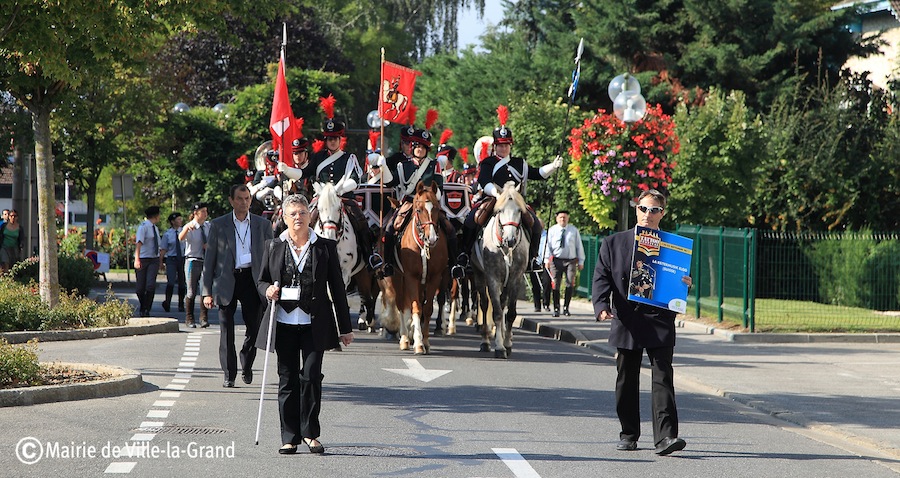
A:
{"points": [[218, 265]]}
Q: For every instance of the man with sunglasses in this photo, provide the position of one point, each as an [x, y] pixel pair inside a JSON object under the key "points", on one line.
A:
{"points": [[636, 327]]}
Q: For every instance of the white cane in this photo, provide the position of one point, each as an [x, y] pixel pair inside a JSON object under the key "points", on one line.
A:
{"points": [[262, 387]]}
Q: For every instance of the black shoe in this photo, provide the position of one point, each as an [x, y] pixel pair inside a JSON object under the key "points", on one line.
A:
{"points": [[387, 270], [317, 449], [546, 308], [247, 377], [228, 384], [669, 445], [626, 445], [566, 312], [457, 272], [287, 449], [166, 306], [556, 312], [145, 313], [537, 308], [375, 261]]}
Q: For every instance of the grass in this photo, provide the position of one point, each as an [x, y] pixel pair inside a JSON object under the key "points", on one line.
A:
{"points": [[786, 316]]}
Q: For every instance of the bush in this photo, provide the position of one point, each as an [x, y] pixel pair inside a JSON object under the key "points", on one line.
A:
{"points": [[73, 244], [22, 309], [76, 273], [19, 365]]}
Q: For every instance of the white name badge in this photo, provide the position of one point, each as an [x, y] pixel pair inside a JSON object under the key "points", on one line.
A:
{"points": [[245, 259], [290, 293]]}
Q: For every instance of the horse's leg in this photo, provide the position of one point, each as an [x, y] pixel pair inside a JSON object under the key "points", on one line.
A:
{"points": [[417, 334], [450, 328], [496, 298], [439, 320], [511, 314]]}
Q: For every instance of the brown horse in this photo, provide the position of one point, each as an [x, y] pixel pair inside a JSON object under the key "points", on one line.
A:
{"points": [[423, 263]]}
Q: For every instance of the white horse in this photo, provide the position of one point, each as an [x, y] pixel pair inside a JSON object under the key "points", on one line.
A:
{"points": [[334, 223], [501, 256]]}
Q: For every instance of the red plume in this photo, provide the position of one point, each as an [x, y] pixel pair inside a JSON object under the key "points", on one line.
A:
{"points": [[464, 154], [327, 105], [445, 136], [502, 115], [243, 162], [343, 142], [413, 109], [430, 118], [485, 150], [299, 125], [373, 140], [318, 145]]}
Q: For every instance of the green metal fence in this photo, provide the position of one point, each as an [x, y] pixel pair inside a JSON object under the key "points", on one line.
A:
{"points": [[767, 281]]}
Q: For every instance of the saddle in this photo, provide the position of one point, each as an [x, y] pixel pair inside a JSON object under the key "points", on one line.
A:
{"points": [[484, 209]]}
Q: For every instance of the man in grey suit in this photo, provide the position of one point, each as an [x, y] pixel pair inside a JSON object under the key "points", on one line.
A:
{"points": [[234, 254]]}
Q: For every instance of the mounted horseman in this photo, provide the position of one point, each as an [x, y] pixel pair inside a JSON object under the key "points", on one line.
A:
{"points": [[404, 178], [494, 172], [338, 167]]}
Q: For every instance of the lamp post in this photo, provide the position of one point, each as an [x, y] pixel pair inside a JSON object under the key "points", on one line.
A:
{"points": [[630, 107]]}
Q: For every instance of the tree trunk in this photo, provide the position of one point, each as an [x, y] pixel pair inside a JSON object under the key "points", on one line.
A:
{"points": [[91, 194], [624, 208], [49, 265]]}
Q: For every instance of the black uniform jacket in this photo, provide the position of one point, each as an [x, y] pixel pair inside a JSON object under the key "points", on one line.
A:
{"points": [[635, 325]]}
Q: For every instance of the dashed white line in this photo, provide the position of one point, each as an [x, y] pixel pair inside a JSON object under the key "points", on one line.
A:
{"points": [[516, 463], [120, 467], [158, 414], [164, 403]]}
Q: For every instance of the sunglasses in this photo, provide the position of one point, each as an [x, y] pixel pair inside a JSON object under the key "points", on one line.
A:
{"points": [[650, 209]]}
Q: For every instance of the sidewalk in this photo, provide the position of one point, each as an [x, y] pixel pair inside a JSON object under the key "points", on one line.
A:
{"points": [[846, 388]]}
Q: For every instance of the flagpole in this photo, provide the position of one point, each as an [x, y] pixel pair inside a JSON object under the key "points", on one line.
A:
{"points": [[381, 140], [281, 143], [572, 89]]}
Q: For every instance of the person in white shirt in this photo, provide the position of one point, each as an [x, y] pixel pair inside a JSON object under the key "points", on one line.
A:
{"points": [[146, 259], [565, 254], [173, 254], [195, 234]]}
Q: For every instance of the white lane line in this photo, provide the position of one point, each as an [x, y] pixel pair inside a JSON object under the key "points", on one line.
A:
{"points": [[173, 386], [188, 354], [169, 394], [143, 437], [182, 375], [158, 414], [164, 403], [187, 364], [516, 463], [180, 380], [181, 369], [151, 424], [120, 467]]}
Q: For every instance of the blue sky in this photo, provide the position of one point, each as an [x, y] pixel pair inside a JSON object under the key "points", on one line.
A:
{"points": [[470, 27]]}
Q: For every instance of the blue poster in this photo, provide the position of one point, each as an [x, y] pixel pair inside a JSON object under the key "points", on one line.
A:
{"points": [[659, 262]]}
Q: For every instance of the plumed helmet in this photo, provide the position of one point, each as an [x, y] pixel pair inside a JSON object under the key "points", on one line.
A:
{"points": [[300, 144], [502, 134], [421, 136], [331, 128]]}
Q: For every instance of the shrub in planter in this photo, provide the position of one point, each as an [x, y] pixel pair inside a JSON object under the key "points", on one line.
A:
{"points": [[19, 366], [76, 273], [20, 307]]}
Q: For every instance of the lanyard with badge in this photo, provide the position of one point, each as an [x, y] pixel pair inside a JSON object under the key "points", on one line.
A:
{"points": [[243, 258], [293, 292]]}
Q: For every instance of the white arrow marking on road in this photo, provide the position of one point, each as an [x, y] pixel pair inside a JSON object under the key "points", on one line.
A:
{"points": [[415, 370], [516, 463]]}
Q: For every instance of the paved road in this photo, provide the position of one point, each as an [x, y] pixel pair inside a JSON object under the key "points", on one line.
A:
{"points": [[548, 411]]}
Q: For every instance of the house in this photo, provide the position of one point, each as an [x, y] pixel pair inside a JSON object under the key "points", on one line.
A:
{"points": [[878, 16]]}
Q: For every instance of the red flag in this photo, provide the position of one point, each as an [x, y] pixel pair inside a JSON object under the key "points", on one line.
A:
{"points": [[395, 96], [282, 118]]}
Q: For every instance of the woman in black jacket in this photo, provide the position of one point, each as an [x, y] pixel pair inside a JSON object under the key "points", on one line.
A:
{"points": [[307, 323]]}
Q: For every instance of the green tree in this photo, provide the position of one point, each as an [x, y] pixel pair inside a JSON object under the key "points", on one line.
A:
{"points": [[49, 48], [721, 145]]}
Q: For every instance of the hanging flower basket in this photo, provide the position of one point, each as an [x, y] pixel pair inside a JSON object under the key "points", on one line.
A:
{"points": [[613, 161]]}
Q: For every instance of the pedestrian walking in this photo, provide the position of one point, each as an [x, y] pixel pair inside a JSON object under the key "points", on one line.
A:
{"points": [[195, 234], [233, 259], [566, 254], [634, 328], [147, 259], [173, 254]]}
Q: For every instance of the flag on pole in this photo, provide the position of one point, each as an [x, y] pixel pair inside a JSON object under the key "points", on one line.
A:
{"points": [[281, 122], [395, 96]]}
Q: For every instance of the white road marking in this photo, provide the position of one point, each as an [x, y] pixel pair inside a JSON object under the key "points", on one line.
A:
{"points": [[151, 424], [158, 414], [169, 394], [143, 437], [120, 467], [415, 370], [164, 403], [516, 463]]}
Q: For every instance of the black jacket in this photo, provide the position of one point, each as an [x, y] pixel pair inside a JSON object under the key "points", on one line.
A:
{"points": [[635, 325], [328, 322]]}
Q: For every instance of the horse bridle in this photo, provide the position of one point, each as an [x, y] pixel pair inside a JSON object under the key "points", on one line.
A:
{"points": [[338, 225], [498, 230], [420, 225]]}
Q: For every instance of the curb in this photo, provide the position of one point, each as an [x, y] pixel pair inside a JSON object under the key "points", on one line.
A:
{"points": [[795, 418], [124, 381], [136, 326]]}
